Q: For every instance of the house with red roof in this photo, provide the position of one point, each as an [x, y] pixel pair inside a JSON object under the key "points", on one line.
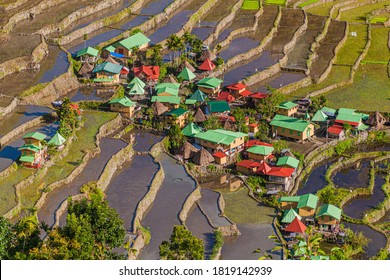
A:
{"points": [[150, 73], [336, 131], [253, 128], [207, 65], [256, 97], [247, 167], [226, 96], [239, 90], [220, 158], [255, 142]]}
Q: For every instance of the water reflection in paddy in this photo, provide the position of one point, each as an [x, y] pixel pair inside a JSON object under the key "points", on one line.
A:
{"points": [[356, 176]]}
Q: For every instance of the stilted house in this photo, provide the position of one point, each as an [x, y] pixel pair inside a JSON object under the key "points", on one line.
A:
{"points": [[307, 205], [111, 60], [289, 215], [203, 157], [288, 202], [296, 226], [376, 120], [287, 108], [176, 116], [33, 153], [188, 65], [207, 54], [170, 79], [292, 127]]}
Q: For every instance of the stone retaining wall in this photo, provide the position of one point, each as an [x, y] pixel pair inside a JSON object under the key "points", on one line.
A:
{"points": [[325, 74], [295, 86], [16, 4], [10, 169], [38, 9], [375, 215], [9, 108], [19, 130], [79, 33], [136, 247], [189, 203], [75, 16], [151, 23], [224, 23], [25, 62], [55, 89]]}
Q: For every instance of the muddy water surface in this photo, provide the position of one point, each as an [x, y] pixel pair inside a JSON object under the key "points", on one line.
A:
{"points": [[353, 177]]}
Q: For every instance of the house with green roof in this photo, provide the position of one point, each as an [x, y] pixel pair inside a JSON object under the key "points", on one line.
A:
{"points": [[198, 96], [307, 205], [287, 108], [107, 73], [57, 140], [88, 54], [172, 102], [288, 161], [137, 81], [210, 85], [191, 129], [217, 107], [328, 216], [330, 112], [125, 46], [135, 89], [33, 153], [177, 116], [122, 105], [223, 140], [354, 119], [259, 152], [186, 74], [320, 116], [292, 127], [106, 51], [288, 202], [289, 215]]}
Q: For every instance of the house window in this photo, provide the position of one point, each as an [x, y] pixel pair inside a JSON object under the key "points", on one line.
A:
{"points": [[298, 133], [291, 132], [282, 129]]}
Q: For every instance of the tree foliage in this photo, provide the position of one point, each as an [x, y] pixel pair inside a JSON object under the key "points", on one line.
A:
{"points": [[267, 106], [68, 118], [182, 245], [176, 137]]}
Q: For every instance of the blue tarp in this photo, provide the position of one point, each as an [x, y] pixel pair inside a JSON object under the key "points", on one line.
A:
{"points": [[117, 55]]}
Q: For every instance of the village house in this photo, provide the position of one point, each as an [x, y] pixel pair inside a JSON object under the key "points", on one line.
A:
{"points": [[253, 128], [328, 217], [216, 108], [288, 161], [292, 127], [58, 141], [207, 65], [220, 158], [239, 90], [197, 96], [126, 46], [336, 131], [88, 54], [247, 167], [226, 141], [167, 89], [209, 85], [287, 108], [225, 96], [354, 119], [289, 215], [259, 153], [288, 202], [307, 205], [122, 105], [107, 73], [186, 75], [191, 129], [172, 102], [176, 116], [149, 73], [257, 97], [107, 51], [279, 178], [33, 153]]}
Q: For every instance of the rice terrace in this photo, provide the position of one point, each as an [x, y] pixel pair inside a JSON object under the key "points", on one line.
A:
{"points": [[251, 129]]}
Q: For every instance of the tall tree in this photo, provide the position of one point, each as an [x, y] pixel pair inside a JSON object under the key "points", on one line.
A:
{"points": [[5, 238], [182, 245]]}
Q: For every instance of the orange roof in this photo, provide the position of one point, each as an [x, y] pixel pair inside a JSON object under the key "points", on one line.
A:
{"points": [[151, 72], [237, 86], [223, 95], [335, 129], [219, 154], [254, 125], [248, 163], [259, 95], [296, 226], [207, 65], [255, 142], [245, 93]]}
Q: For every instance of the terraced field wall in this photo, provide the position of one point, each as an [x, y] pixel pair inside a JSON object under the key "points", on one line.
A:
{"points": [[9, 108]]}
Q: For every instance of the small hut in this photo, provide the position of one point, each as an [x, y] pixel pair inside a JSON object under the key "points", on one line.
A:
{"points": [[296, 226], [229, 125], [376, 120], [110, 59], [199, 116], [203, 157], [207, 54], [184, 65], [159, 108], [86, 70], [170, 79], [188, 151]]}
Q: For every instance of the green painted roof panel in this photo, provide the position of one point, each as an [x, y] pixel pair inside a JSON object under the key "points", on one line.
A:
{"points": [[135, 40], [290, 123], [35, 135], [57, 140], [166, 99], [89, 51], [290, 161], [261, 150], [329, 210], [308, 200], [108, 67]]}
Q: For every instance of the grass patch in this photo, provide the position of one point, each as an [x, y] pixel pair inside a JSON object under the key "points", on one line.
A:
{"points": [[33, 89], [250, 5], [322, 10], [376, 20], [359, 14], [304, 4], [242, 209], [354, 46], [336, 75], [379, 50], [85, 141], [7, 193], [369, 92], [275, 2]]}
